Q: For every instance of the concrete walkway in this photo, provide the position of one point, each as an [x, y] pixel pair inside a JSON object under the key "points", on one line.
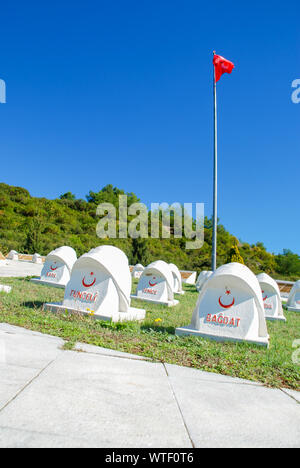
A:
{"points": [[103, 398], [14, 268]]}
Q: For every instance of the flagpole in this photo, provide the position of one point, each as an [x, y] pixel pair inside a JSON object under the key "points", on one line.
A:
{"points": [[215, 184]]}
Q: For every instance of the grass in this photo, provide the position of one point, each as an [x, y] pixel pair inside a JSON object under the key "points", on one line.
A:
{"points": [[154, 339]]}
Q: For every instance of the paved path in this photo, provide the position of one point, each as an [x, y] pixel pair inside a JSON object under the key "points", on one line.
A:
{"points": [[14, 268], [103, 398]]}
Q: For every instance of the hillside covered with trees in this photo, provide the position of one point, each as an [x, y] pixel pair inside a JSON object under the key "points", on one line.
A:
{"points": [[29, 224]]}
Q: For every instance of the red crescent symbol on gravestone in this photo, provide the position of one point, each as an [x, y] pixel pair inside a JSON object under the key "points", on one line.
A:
{"points": [[264, 298], [51, 268], [226, 306], [152, 284], [88, 285]]}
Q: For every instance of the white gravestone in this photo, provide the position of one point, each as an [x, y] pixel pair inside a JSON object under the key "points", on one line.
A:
{"points": [[230, 308], [156, 285], [100, 286], [37, 258], [188, 277], [177, 280], [293, 302], [57, 268], [271, 297], [13, 255], [137, 271], [4, 288], [202, 278]]}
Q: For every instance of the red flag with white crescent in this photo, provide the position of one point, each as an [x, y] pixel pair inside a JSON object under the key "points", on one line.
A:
{"points": [[222, 65]]}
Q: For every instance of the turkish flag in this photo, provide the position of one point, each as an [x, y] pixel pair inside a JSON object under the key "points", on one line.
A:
{"points": [[222, 65]]}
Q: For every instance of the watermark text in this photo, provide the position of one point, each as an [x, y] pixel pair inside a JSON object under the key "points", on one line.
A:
{"points": [[162, 221], [296, 93], [296, 354], [2, 92]]}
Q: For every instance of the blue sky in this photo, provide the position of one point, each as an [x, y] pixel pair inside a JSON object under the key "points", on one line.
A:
{"points": [[120, 92]]}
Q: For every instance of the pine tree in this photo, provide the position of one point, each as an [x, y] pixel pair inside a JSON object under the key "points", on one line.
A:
{"points": [[33, 241], [139, 252]]}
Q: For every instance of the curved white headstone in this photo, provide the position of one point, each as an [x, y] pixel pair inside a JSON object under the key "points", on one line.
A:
{"points": [[36, 258], [293, 302], [202, 278], [57, 268], [188, 277], [137, 271], [100, 286], [13, 255], [271, 297], [230, 307], [177, 280], [156, 284]]}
